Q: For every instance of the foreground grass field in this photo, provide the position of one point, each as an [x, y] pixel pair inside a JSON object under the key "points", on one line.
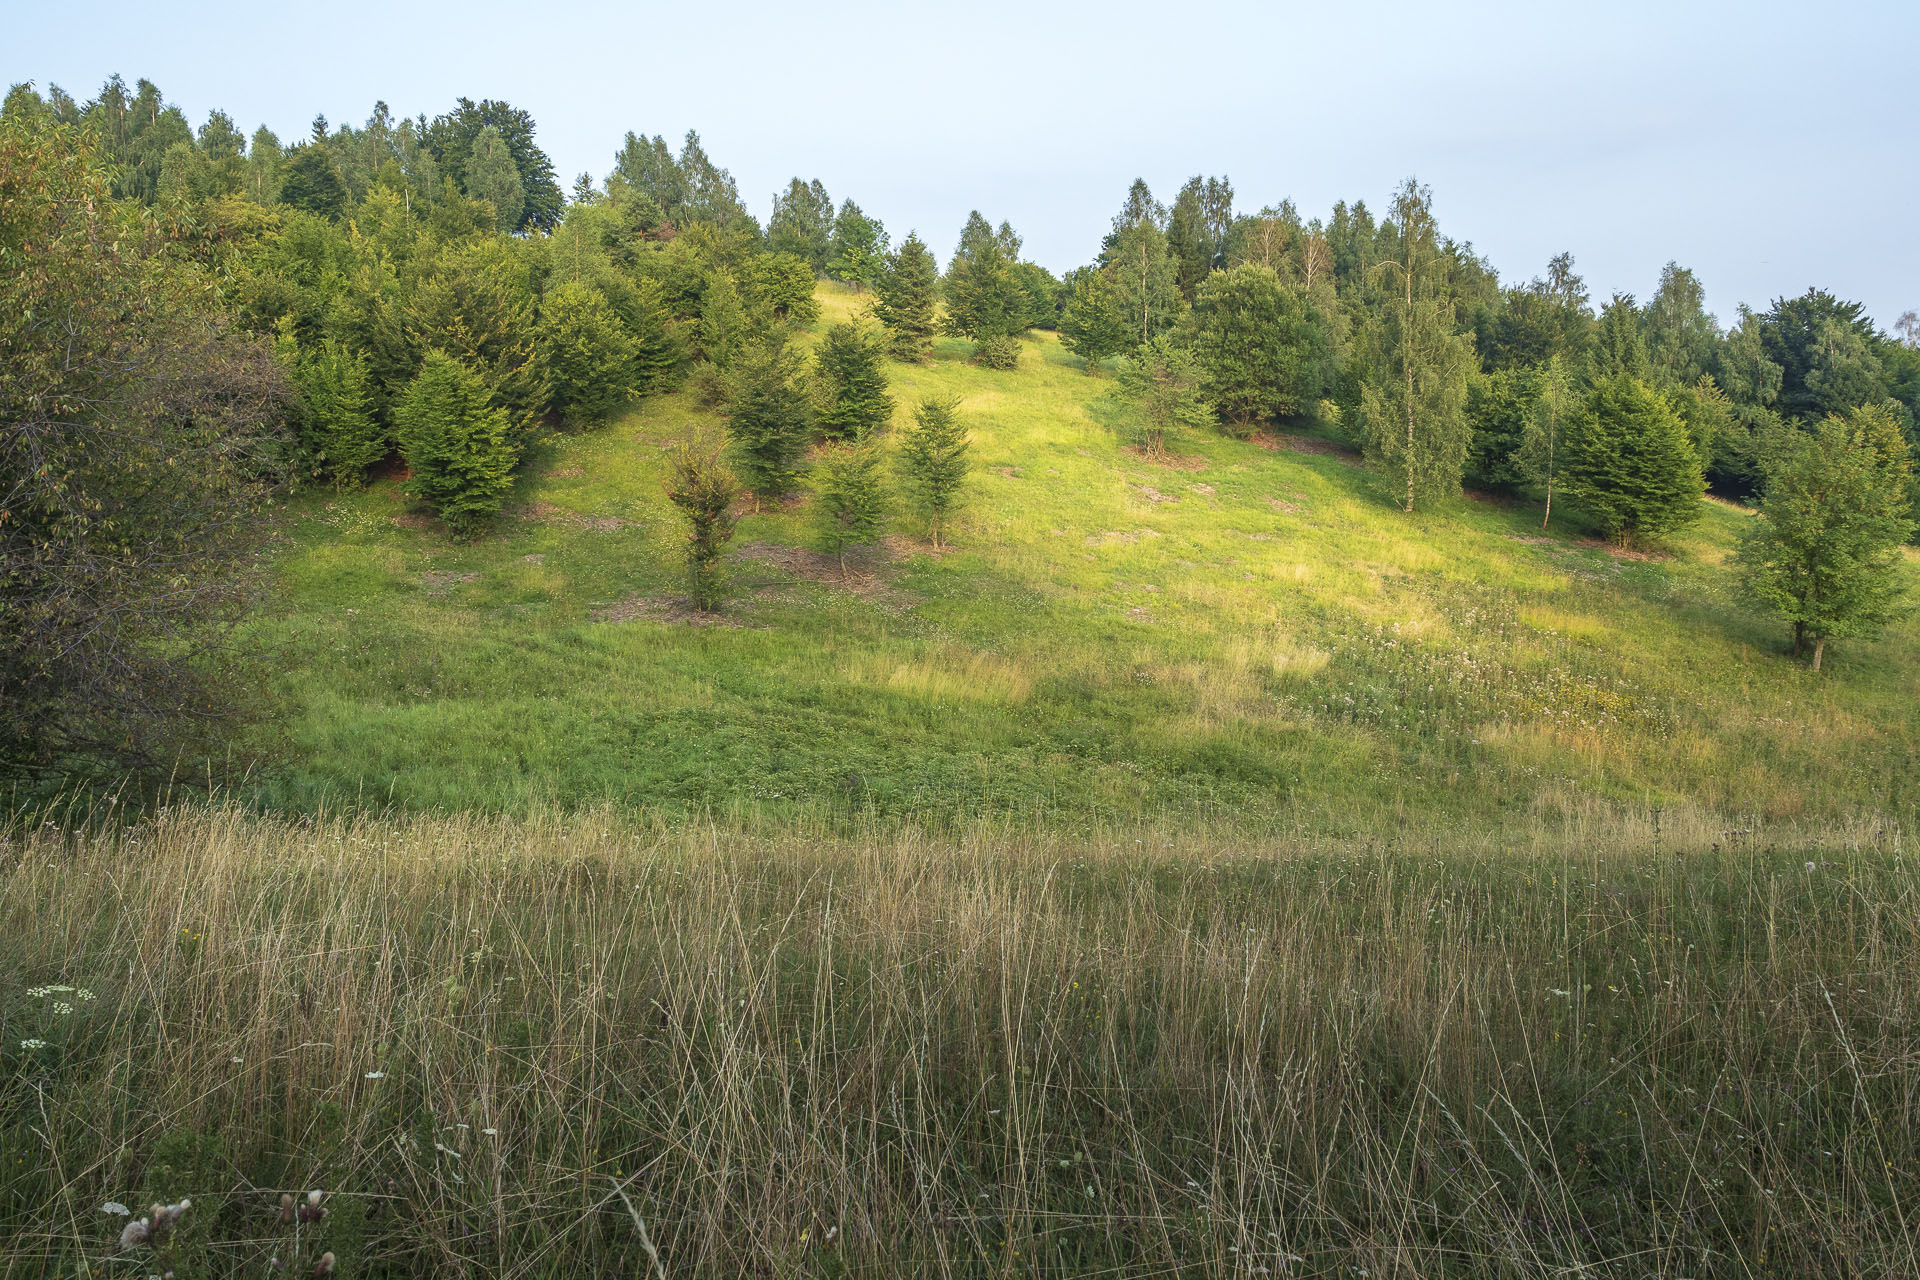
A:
{"points": [[1677, 1054], [1260, 639]]}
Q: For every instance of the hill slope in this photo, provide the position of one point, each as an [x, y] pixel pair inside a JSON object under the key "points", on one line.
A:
{"points": [[1255, 635]]}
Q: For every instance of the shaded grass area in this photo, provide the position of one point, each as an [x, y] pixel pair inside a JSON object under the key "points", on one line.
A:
{"points": [[1257, 635], [993, 1054]]}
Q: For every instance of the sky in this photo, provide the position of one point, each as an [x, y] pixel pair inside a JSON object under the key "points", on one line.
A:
{"points": [[1770, 147]]}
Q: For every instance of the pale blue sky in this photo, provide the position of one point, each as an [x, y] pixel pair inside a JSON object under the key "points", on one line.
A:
{"points": [[1769, 146]]}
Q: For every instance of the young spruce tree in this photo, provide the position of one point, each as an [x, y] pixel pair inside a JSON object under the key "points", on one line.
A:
{"points": [[769, 420], [849, 506], [1258, 344], [457, 444], [1160, 385], [1096, 325], [590, 356], [904, 300], [933, 463], [1629, 464], [851, 376], [338, 432]]}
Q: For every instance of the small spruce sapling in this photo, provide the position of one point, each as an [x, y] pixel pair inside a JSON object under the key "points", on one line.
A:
{"points": [[849, 504], [1160, 387], [933, 463], [457, 444], [850, 373]]}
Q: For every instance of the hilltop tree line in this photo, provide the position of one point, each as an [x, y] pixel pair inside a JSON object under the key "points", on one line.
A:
{"points": [[419, 293]]}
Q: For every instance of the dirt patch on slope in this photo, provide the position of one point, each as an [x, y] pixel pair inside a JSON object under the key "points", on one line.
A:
{"points": [[1171, 461], [861, 575], [441, 582], [1277, 442], [663, 609], [546, 513]]}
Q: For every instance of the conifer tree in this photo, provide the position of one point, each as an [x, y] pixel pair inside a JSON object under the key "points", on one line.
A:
{"points": [[802, 224], [1096, 325], [1619, 346], [700, 483], [1500, 405], [657, 348], [1629, 465], [457, 443], [904, 300], [1258, 345], [985, 300], [1413, 412], [850, 374], [1825, 553], [849, 505], [723, 320], [590, 356], [858, 249], [476, 305], [338, 432], [933, 463], [1160, 386], [310, 180], [493, 177], [769, 420]]}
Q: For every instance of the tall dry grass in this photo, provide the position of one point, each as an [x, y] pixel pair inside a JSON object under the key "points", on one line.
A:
{"points": [[525, 1047]]}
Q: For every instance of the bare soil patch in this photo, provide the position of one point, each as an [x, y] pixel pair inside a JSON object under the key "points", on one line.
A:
{"points": [[1171, 461], [1120, 537], [440, 582], [1619, 552], [899, 544], [663, 609], [861, 575], [1275, 442], [544, 512]]}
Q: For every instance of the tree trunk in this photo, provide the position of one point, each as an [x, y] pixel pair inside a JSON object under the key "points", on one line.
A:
{"points": [[1799, 638], [1819, 647], [1406, 357]]}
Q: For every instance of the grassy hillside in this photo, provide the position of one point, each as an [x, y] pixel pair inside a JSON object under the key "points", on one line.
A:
{"points": [[1256, 635]]}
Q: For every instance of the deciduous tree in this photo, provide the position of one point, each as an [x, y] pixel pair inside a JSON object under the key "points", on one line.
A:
{"points": [[704, 487], [1825, 551], [1413, 413]]}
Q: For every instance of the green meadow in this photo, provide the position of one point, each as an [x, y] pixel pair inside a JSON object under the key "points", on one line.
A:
{"points": [[1252, 634]]}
